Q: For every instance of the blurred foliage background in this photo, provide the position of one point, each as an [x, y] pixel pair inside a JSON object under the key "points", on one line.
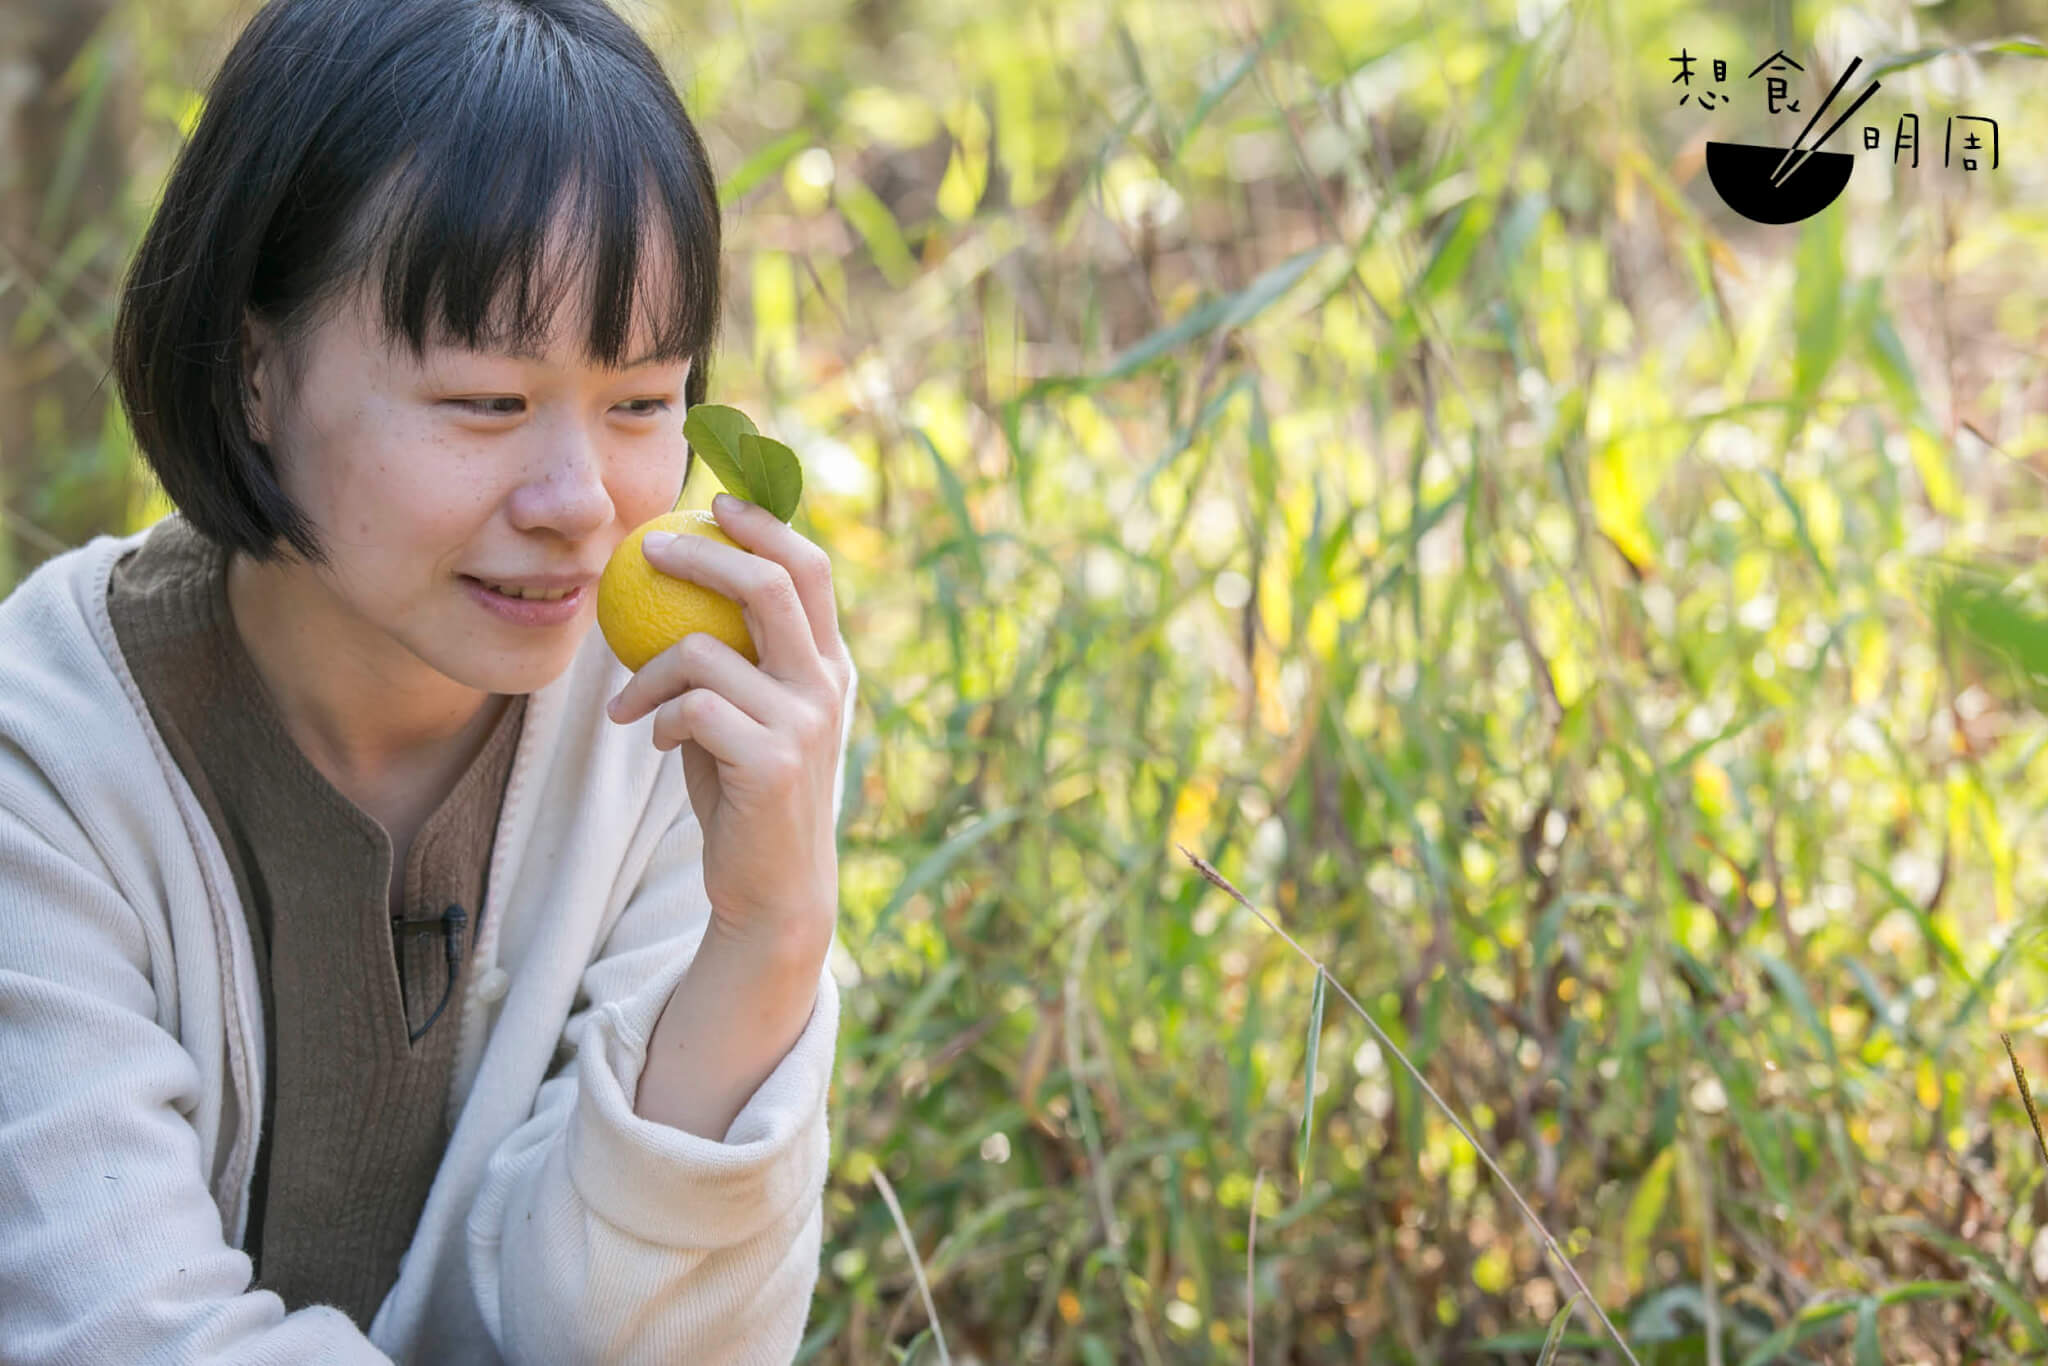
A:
{"points": [[1352, 443]]}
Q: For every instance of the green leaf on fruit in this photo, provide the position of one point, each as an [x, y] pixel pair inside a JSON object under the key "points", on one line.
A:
{"points": [[757, 468], [772, 472]]}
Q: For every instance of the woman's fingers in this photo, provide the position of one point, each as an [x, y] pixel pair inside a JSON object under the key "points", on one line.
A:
{"points": [[808, 566], [699, 660], [781, 580], [728, 734], [763, 718]]}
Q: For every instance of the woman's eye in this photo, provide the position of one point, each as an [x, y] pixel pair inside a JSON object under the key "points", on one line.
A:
{"points": [[483, 405]]}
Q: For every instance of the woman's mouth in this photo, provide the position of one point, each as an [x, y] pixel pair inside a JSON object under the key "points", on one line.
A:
{"points": [[539, 610]]}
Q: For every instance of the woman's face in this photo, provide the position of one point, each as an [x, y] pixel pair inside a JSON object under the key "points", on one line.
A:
{"points": [[417, 474]]}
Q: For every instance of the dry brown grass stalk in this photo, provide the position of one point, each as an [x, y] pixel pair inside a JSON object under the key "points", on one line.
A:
{"points": [[916, 1264], [2020, 1075]]}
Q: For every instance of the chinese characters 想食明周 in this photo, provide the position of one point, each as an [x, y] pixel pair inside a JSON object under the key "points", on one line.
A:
{"points": [[1973, 144]]}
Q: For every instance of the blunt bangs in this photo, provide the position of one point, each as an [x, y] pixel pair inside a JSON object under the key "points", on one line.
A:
{"points": [[457, 165], [536, 128]]}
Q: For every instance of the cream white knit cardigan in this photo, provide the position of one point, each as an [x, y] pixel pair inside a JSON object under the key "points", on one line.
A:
{"points": [[561, 1228]]}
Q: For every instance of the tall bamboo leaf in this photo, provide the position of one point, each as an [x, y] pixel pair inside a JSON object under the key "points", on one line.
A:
{"points": [[1867, 1353], [1232, 310], [1555, 1337], [1308, 1101], [2019, 45], [1228, 82], [764, 163], [1644, 1212]]}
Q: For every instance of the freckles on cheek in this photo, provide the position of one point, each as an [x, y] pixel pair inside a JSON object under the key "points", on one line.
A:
{"points": [[417, 495], [436, 472]]}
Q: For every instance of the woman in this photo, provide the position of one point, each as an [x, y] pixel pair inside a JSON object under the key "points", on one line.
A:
{"points": [[366, 994]]}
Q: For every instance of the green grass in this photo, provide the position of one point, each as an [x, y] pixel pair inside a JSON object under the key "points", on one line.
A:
{"points": [[1351, 443]]}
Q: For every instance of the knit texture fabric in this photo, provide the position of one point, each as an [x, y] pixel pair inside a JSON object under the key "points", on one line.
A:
{"points": [[355, 1115], [558, 1226]]}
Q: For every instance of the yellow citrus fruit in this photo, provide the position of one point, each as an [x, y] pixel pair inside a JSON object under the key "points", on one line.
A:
{"points": [[643, 611]]}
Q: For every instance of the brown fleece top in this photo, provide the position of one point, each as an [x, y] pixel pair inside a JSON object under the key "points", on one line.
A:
{"points": [[355, 1116]]}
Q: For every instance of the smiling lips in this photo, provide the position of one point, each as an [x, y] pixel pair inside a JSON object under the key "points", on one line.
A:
{"points": [[534, 594], [544, 587], [556, 609]]}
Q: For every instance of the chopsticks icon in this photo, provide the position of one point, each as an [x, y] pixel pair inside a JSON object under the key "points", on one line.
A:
{"points": [[1781, 172]]}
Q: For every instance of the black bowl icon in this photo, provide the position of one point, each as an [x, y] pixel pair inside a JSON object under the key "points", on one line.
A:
{"points": [[1742, 171]]}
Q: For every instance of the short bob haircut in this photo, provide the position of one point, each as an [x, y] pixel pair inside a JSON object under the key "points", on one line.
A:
{"points": [[416, 149]]}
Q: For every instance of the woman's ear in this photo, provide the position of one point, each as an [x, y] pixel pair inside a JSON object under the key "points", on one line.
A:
{"points": [[259, 364]]}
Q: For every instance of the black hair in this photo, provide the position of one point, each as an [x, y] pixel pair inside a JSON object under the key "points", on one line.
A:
{"points": [[415, 149]]}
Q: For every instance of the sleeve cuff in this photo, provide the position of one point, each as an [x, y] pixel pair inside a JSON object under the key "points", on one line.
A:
{"points": [[677, 1189]]}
